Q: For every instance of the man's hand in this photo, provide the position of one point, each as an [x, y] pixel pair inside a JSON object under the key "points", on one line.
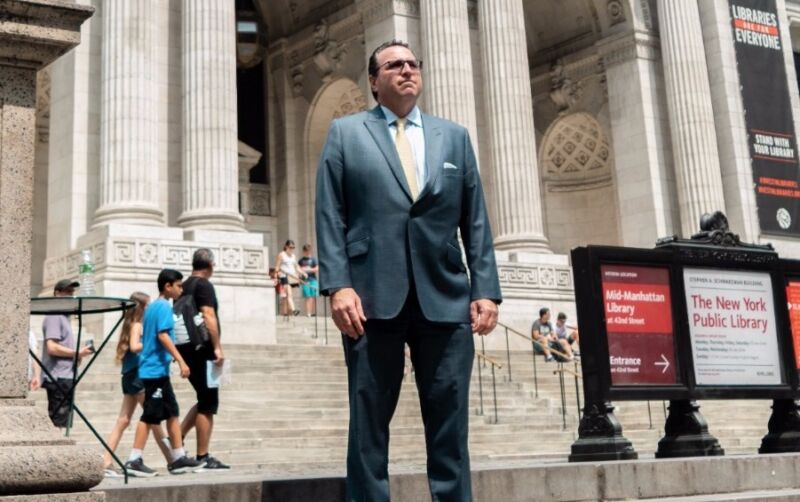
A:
{"points": [[85, 351], [35, 383], [219, 357], [347, 312], [483, 316], [184, 369]]}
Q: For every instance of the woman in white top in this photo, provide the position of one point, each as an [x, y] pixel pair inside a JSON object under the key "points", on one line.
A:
{"points": [[289, 275]]}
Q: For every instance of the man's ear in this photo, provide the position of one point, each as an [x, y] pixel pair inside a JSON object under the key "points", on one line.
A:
{"points": [[372, 83]]}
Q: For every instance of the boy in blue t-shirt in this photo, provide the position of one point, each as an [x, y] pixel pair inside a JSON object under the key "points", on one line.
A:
{"points": [[158, 351]]}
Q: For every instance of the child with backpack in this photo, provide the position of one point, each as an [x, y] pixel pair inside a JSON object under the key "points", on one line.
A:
{"points": [[158, 351]]}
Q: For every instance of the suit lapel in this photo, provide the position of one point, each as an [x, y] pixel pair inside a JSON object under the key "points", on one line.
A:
{"points": [[376, 125], [433, 153]]}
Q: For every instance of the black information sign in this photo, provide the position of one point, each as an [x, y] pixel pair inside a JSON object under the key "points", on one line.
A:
{"points": [[705, 318], [768, 117]]}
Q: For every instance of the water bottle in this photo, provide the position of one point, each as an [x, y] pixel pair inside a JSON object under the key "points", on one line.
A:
{"points": [[86, 271]]}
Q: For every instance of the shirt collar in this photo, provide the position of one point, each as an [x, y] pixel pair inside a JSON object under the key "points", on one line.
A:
{"points": [[414, 116]]}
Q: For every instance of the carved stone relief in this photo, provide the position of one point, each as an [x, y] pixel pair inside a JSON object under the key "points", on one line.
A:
{"points": [[616, 12], [535, 277], [135, 256], [563, 91], [328, 53], [575, 149], [350, 102]]}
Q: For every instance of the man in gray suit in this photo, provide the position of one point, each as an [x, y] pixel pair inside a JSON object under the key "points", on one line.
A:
{"points": [[394, 187]]}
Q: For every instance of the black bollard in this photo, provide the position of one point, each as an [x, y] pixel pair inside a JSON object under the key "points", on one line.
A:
{"points": [[784, 428], [600, 436], [686, 433]]}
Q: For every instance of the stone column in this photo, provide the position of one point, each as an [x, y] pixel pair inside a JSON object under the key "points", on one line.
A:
{"points": [[645, 180], [734, 150], [691, 117], [128, 120], [518, 220], [384, 20], [36, 456], [448, 76], [210, 142]]}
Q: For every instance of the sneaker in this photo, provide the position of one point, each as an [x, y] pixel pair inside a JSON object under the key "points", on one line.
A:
{"points": [[549, 359], [137, 469], [111, 473], [184, 465], [212, 464], [296, 313]]}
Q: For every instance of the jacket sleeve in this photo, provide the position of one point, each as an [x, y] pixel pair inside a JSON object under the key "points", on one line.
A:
{"points": [[476, 233], [331, 215]]}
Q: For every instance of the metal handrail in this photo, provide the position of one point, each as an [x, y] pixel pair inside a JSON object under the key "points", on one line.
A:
{"points": [[567, 370], [493, 364], [489, 360], [534, 343]]}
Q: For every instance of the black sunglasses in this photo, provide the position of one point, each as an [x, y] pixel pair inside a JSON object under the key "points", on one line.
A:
{"points": [[399, 64]]}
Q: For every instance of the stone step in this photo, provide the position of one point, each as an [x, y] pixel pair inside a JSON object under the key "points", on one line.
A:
{"points": [[785, 495]]}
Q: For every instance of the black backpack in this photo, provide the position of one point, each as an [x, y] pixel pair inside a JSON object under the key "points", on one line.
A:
{"points": [[189, 322]]}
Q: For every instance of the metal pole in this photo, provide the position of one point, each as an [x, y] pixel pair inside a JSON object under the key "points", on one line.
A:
{"points": [[75, 366], [577, 391], [325, 311], [535, 378], [664, 405], [508, 356], [316, 308], [480, 386], [563, 396], [100, 348], [102, 442], [483, 350], [650, 415], [494, 392]]}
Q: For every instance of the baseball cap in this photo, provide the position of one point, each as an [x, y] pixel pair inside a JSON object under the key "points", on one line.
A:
{"points": [[66, 284]]}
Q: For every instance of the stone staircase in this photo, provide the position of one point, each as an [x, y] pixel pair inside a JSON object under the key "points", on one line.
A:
{"points": [[286, 409]]}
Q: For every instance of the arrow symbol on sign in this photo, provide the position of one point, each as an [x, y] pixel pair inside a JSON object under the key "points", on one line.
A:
{"points": [[664, 362]]}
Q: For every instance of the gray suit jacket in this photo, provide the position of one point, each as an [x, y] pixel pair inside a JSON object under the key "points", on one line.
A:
{"points": [[372, 237]]}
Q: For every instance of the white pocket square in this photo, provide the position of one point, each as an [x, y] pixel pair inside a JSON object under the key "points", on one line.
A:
{"points": [[448, 165]]}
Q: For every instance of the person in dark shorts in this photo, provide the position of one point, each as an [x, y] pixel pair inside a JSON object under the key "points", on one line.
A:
{"points": [[158, 351], [127, 355], [201, 414], [58, 357]]}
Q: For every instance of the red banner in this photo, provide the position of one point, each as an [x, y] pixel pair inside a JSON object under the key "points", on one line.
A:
{"points": [[793, 299], [638, 315]]}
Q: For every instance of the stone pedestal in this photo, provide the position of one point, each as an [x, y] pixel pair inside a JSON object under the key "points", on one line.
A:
{"points": [[36, 458], [128, 258]]}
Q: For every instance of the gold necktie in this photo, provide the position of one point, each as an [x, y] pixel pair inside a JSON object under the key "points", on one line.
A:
{"points": [[406, 157]]}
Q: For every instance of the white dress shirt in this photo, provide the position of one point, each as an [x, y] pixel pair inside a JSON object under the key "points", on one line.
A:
{"points": [[415, 135]]}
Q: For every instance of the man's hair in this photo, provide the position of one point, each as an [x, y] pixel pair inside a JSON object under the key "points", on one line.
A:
{"points": [[306, 247], [562, 316], [167, 276], [543, 311], [203, 259], [372, 67]]}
